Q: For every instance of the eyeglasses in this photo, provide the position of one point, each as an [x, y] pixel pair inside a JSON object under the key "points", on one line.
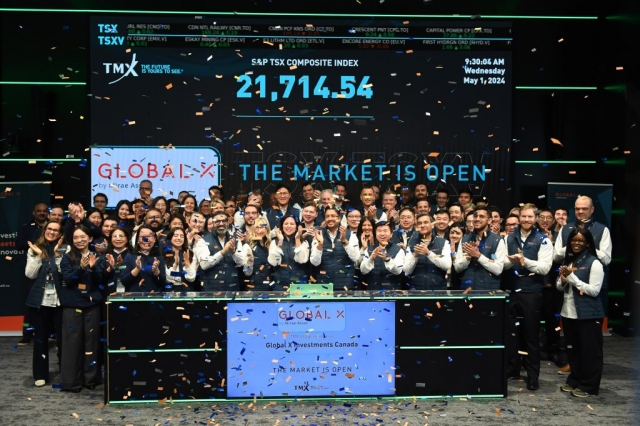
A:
{"points": [[219, 221], [145, 188], [354, 217], [52, 230]]}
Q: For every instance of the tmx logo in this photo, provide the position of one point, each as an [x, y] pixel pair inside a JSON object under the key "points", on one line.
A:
{"points": [[118, 68], [109, 40]]}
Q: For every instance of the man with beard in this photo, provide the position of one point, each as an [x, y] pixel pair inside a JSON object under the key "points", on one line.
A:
{"points": [[480, 258], [219, 264], [332, 257], [428, 259], [529, 255], [420, 192]]}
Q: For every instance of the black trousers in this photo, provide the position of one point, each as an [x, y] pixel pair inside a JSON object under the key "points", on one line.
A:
{"points": [[42, 319], [80, 347], [584, 349], [551, 306], [524, 312]]}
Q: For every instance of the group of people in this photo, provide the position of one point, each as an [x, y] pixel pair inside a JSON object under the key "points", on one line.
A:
{"points": [[394, 241]]}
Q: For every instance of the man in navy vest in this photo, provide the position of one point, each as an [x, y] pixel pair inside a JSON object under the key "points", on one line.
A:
{"points": [[529, 254], [282, 207], [480, 258], [602, 237], [369, 208], [219, 265]]}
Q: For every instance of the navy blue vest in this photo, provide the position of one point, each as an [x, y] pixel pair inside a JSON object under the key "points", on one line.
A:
{"points": [[34, 299], [519, 277], [261, 277], [426, 275], [587, 307], [379, 277], [476, 276], [224, 275], [289, 271], [336, 267]]}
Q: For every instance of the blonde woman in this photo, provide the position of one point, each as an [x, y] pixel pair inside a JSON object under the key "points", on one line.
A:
{"points": [[257, 267]]}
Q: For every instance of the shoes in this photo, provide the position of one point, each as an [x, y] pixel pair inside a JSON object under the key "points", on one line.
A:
{"points": [[532, 383], [76, 390], [579, 393], [566, 388], [40, 383], [24, 341], [565, 370]]}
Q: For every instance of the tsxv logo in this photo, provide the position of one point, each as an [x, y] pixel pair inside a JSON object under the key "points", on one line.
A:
{"points": [[109, 40], [119, 68]]}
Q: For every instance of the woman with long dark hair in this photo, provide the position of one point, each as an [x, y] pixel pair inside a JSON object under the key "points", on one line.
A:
{"points": [[581, 276], [456, 232], [289, 254], [43, 260], [81, 297], [145, 267], [178, 257], [125, 216]]}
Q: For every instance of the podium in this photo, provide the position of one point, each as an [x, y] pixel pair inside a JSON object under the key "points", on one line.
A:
{"points": [[246, 345]]}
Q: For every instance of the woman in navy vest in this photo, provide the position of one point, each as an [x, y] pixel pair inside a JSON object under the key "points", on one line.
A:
{"points": [[117, 250], [180, 267], [257, 267], [581, 276], [145, 268], [382, 265], [81, 296], [289, 254], [43, 260]]}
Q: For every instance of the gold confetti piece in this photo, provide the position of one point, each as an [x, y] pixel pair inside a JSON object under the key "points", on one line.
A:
{"points": [[76, 415], [572, 172], [438, 305], [589, 407], [218, 76], [560, 40], [82, 286], [535, 149], [435, 132], [268, 42], [8, 257], [169, 86], [523, 353], [433, 154], [131, 123], [498, 412], [627, 152], [405, 22], [350, 375], [293, 67], [470, 305], [99, 405], [557, 142], [467, 290], [409, 51], [619, 68]]}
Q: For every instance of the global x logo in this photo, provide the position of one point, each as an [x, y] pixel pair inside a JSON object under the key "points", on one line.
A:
{"points": [[119, 67]]}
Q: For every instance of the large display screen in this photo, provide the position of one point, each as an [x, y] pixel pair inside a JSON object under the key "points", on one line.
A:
{"points": [[291, 100], [310, 349]]}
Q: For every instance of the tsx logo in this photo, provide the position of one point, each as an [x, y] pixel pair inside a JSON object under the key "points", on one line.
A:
{"points": [[109, 40], [119, 68]]}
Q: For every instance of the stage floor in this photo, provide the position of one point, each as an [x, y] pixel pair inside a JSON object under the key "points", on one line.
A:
{"points": [[23, 404]]}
